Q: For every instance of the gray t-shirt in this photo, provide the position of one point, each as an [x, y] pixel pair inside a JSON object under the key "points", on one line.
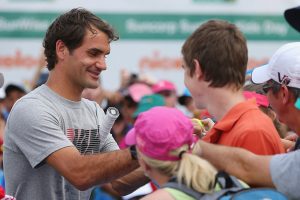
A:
{"points": [[285, 173], [39, 124]]}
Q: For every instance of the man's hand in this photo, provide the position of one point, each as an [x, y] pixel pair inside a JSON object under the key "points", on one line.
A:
{"points": [[289, 142], [201, 127]]}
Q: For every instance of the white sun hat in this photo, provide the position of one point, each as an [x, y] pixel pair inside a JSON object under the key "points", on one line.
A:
{"points": [[284, 66]]}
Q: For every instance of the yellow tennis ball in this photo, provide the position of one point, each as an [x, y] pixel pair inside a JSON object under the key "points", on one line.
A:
{"points": [[198, 121]]}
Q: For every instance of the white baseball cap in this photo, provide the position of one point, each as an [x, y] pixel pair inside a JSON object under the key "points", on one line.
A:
{"points": [[284, 65]]}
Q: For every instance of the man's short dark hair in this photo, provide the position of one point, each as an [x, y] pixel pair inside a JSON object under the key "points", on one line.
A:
{"points": [[221, 51], [11, 88], [71, 28]]}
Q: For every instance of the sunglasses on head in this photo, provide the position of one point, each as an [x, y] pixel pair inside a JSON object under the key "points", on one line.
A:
{"points": [[271, 84], [266, 87]]}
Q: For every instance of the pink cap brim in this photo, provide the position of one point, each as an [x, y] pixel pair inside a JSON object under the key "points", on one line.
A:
{"points": [[165, 88], [138, 90], [261, 100], [130, 138], [261, 74]]}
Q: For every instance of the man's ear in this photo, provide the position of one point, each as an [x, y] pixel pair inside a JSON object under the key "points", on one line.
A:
{"points": [[285, 95], [198, 70], [61, 49]]}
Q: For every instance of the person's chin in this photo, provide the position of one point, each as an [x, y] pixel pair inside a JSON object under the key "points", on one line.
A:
{"points": [[92, 85], [200, 105]]}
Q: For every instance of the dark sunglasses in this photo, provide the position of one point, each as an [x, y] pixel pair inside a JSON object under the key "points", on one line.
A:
{"points": [[271, 85]]}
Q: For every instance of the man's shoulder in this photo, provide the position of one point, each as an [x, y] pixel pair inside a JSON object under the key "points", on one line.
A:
{"points": [[32, 98], [33, 102], [88, 102], [92, 105]]}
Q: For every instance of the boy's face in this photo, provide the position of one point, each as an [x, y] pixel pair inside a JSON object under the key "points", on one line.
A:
{"points": [[187, 77], [194, 85], [84, 65]]}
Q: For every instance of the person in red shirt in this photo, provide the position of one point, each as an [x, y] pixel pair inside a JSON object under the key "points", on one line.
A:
{"points": [[215, 59]]}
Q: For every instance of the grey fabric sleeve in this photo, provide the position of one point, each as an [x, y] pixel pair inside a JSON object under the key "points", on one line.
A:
{"points": [[35, 130], [285, 173]]}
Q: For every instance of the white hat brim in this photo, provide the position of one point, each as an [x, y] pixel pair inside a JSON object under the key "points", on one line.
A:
{"points": [[260, 74]]}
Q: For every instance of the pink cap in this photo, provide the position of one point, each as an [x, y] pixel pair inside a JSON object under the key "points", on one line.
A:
{"points": [[163, 85], [138, 90], [261, 100], [160, 130]]}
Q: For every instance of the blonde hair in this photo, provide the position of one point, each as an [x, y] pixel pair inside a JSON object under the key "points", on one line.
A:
{"points": [[191, 170]]}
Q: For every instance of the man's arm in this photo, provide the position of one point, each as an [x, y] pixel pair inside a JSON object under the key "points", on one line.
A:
{"points": [[130, 182], [251, 168], [84, 171]]}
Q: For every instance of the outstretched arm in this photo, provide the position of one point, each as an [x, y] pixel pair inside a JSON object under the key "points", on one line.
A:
{"points": [[130, 182], [251, 168], [84, 171]]}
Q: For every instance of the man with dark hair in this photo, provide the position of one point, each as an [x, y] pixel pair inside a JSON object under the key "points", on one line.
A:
{"points": [[55, 143], [215, 60], [73, 34]]}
